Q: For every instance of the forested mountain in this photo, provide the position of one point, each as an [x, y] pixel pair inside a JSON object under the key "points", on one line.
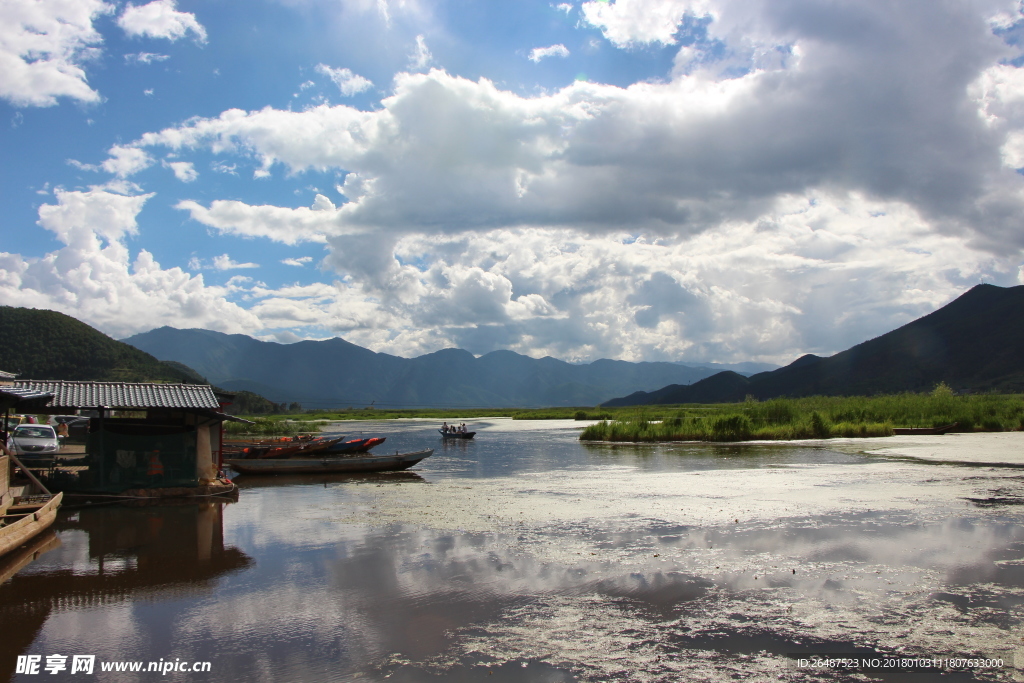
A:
{"points": [[337, 373], [973, 344], [40, 344]]}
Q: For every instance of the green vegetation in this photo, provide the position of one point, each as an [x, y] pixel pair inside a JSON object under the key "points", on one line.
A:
{"points": [[42, 344], [265, 427], [248, 403], [569, 413], [815, 417]]}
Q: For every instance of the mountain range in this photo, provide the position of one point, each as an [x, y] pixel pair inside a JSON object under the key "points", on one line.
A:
{"points": [[337, 373], [973, 344]]}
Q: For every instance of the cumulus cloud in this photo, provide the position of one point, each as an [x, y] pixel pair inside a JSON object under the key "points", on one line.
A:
{"points": [[625, 22], [44, 45], [160, 19], [125, 161], [300, 261], [818, 274], [280, 224], [184, 171], [808, 176], [910, 105], [348, 83], [94, 277], [539, 53]]}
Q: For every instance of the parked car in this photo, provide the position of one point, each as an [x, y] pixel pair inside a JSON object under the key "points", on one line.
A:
{"points": [[35, 445]]}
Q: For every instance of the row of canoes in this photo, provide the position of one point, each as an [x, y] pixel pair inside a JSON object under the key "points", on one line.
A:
{"points": [[312, 455], [323, 455], [304, 447]]}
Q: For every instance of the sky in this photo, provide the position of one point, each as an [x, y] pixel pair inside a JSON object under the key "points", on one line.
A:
{"points": [[681, 180]]}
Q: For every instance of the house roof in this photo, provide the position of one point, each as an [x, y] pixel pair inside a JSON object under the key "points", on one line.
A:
{"points": [[23, 398], [122, 395], [7, 375]]}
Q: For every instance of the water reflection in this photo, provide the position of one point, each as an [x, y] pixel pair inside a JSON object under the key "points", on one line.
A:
{"points": [[326, 480], [362, 577], [113, 555]]}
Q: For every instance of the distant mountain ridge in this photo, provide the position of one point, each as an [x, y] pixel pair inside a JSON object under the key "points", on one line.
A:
{"points": [[337, 373], [746, 368], [974, 344]]}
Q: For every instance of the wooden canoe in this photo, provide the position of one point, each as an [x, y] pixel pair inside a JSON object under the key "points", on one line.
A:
{"points": [[302, 465], [25, 522], [355, 445]]}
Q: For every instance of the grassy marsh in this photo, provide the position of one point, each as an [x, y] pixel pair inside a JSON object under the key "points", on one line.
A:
{"points": [[817, 417]]}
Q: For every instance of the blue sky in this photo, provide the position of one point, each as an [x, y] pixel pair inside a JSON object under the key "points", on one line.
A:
{"points": [[642, 179]]}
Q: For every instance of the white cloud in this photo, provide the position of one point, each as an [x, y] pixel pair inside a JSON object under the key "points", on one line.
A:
{"points": [[82, 216], [625, 22], [224, 262], [184, 171], [125, 161], [94, 278], [420, 57], [145, 58], [539, 53], [817, 274], [348, 83], [160, 19], [43, 47], [564, 6], [871, 111], [789, 189], [300, 261], [288, 226]]}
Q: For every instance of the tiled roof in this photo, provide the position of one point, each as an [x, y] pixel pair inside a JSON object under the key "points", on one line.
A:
{"points": [[68, 394], [11, 396], [7, 375]]}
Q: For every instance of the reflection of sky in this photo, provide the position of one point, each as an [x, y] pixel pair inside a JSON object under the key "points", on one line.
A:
{"points": [[611, 561]]}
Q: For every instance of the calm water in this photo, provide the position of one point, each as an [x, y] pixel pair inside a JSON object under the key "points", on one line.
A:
{"points": [[524, 555]]}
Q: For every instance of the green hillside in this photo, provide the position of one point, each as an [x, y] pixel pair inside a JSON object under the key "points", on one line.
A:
{"points": [[40, 344]]}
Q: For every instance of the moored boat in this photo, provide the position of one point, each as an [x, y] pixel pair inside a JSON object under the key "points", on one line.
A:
{"points": [[25, 511], [308, 465]]}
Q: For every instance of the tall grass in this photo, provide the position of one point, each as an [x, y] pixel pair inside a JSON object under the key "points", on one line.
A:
{"points": [[816, 417], [264, 427]]}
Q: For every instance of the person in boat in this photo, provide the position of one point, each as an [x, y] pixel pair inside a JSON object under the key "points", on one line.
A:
{"points": [[462, 428], [444, 428]]}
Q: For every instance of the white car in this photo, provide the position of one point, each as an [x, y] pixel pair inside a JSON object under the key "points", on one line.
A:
{"points": [[36, 443]]}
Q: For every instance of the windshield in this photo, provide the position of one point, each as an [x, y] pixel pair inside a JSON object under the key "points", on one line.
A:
{"points": [[35, 432]]}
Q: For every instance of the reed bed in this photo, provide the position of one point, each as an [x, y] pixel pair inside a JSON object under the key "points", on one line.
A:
{"points": [[817, 417], [264, 427]]}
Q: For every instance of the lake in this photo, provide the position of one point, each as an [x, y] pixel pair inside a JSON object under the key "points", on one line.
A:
{"points": [[524, 555]]}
